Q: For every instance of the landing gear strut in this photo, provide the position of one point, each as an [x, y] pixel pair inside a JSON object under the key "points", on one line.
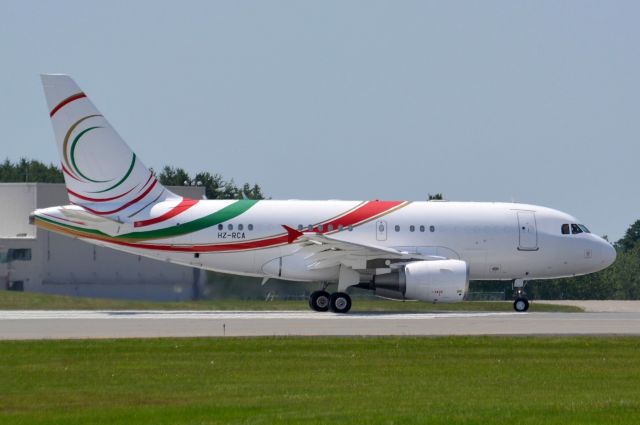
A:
{"points": [[521, 303]]}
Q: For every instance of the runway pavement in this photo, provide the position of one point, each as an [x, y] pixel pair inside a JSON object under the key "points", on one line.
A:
{"points": [[599, 306], [150, 324]]}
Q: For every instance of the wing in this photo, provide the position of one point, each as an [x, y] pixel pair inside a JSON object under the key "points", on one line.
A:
{"points": [[321, 251]]}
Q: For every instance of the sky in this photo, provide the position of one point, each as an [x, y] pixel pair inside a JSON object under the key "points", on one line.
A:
{"points": [[527, 101]]}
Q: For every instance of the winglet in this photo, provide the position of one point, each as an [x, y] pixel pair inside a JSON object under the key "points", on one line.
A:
{"points": [[292, 234]]}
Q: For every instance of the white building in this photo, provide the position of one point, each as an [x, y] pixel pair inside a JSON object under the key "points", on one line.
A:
{"points": [[37, 260]]}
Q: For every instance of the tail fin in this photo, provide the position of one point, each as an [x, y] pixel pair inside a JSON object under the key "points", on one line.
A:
{"points": [[101, 172]]}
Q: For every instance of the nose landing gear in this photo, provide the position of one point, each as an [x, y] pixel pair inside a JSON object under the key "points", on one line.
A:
{"points": [[521, 303]]}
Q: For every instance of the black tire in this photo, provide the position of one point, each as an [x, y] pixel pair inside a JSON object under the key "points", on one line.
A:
{"points": [[340, 302], [319, 301], [521, 305]]}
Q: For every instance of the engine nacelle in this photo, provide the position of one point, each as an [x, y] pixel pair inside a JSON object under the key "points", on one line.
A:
{"points": [[436, 281]]}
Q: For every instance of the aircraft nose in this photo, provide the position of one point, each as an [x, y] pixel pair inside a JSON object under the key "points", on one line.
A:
{"points": [[608, 254]]}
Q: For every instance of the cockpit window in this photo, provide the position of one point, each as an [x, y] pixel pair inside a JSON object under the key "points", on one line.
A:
{"points": [[583, 228], [574, 229]]}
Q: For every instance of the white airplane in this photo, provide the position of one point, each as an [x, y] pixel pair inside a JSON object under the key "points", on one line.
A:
{"points": [[426, 251]]}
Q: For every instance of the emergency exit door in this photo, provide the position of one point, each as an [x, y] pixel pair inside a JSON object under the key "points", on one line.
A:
{"points": [[381, 230], [528, 234]]}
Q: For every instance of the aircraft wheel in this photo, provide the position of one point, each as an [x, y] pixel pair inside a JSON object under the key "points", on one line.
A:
{"points": [[319, 301], [340, 302], [521, 305]]}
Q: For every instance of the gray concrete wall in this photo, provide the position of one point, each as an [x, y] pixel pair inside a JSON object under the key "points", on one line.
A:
{"points": [[17, 200], [63, 265]]}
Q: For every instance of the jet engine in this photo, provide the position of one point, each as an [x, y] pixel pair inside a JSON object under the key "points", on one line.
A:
{"points": [[436, 281]]}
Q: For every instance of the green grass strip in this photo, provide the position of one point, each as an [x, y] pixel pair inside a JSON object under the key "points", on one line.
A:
{"points": [[449, 380], [10, 300]]}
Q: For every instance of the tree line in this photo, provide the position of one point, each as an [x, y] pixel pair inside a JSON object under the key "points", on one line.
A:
{"points": [[29, 171], [216, 187]]}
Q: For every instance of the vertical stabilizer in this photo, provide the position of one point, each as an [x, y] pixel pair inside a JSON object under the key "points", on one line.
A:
{"points": [[101, 172]]}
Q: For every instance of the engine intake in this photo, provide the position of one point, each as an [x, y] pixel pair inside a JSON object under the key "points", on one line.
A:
{"points": [[436, 281]]}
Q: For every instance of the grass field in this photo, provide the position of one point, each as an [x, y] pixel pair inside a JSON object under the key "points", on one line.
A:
{"points": [[10, 300], [453, 380]]}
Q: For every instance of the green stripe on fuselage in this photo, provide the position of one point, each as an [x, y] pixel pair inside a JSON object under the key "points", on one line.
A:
{"points": [[227, 213]]}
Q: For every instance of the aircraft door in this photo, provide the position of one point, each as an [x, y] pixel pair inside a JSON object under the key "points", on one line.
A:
{"points": [[528, 234], [381, 230]]}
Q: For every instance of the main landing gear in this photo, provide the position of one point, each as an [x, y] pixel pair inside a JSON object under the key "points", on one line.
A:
{"points": [[521, 303], [319, 301], [338, 302]]}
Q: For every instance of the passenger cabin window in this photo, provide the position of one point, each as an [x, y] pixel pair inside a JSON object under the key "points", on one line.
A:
{"points": [[240, 226], [220, 227], [250, 227], [397, 228], [565, 229], [412, 228]]}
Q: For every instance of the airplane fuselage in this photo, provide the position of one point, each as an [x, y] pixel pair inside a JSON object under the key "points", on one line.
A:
{"points": [[497, 240]]}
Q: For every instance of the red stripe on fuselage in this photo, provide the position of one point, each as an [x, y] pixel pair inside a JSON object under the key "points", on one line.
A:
{"points": [[184, 205], [363, 213], [65, 102], [235, 246]]}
